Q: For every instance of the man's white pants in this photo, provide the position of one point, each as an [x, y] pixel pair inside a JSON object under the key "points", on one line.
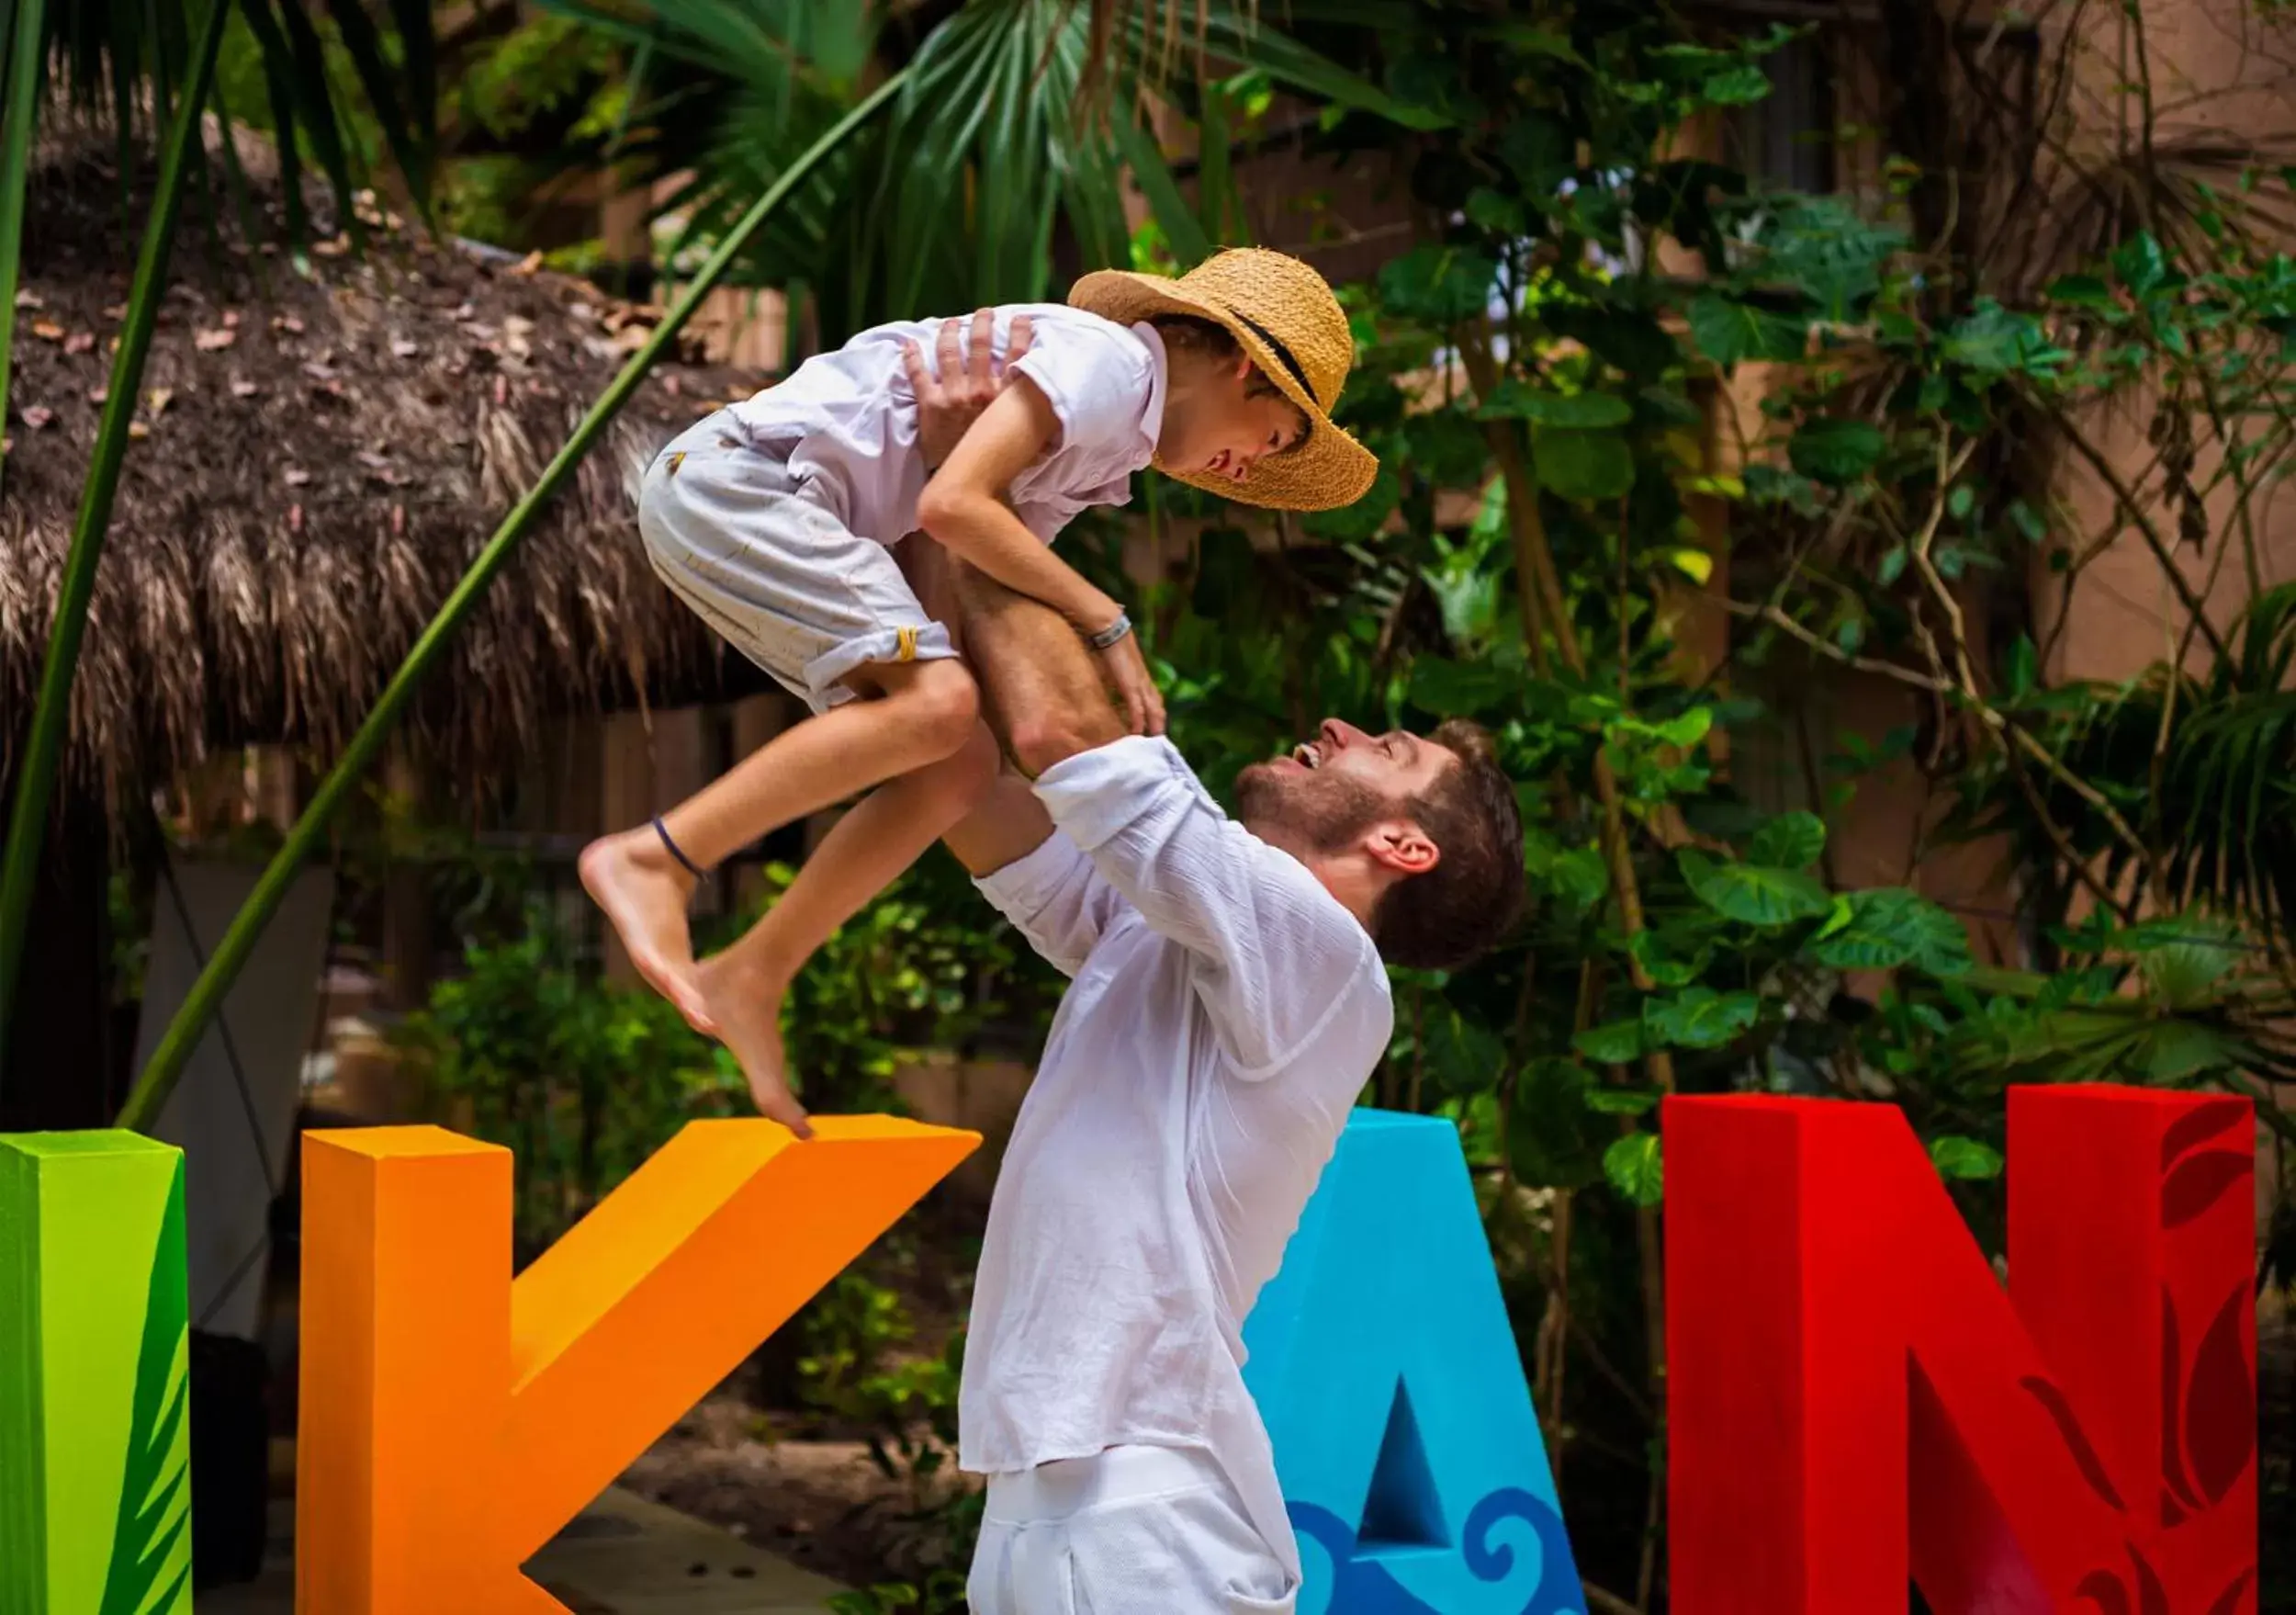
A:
{"points": [[1133, 1531]]}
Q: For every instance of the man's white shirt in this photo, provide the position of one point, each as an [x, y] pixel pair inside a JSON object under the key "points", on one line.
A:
{"points": [[1225, 1013]]}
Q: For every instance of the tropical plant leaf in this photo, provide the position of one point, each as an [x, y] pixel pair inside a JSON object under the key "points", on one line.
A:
{"points": [[1699, 1017], [1459, 689], [1635, 1168], [1585, 412], [1612, 1044], [1553, 1138], [1833, 450], [1441, 285], [1582, 465], [1620, 1102], [1887, 926], [1791, 840], [1964, 1158], [1730, 332], [1182, 229], [1751, 893]]}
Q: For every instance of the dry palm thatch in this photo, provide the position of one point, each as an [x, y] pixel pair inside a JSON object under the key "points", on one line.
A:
{"points": [[318, 460]]}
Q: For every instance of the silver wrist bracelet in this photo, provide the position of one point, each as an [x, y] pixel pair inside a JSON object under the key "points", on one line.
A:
{"points": [[1111, 634]]}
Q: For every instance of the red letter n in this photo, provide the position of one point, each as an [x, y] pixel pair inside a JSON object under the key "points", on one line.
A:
{"points": [[1855, 1400]]}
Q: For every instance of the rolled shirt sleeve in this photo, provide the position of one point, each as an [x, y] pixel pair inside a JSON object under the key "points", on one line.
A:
{"points": [[1054, 898], [1277, 959]]}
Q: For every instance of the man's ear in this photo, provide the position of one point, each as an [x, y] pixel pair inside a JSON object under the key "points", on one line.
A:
{"points": [[1401, 846]]}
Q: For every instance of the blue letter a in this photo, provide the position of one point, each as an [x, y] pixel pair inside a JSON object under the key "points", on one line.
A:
{"points": [[1381, 1358]]}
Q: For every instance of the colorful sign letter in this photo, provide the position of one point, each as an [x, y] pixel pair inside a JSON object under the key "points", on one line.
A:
{"points": [[1856, 1400], [453, 1419], [94, 1388], [1383, 1363]]}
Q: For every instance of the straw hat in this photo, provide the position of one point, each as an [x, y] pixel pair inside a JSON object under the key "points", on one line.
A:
{"points": [[1284, 317]]}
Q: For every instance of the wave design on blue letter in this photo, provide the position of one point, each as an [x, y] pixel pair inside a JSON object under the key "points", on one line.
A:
{"points": [[1364, 1586]]}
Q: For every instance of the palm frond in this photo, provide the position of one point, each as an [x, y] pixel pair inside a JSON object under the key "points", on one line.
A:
{"points": [[126, 61], [1001, 168]]}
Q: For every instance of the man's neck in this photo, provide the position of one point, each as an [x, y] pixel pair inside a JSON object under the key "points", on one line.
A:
{"points": [[1353, 880]]}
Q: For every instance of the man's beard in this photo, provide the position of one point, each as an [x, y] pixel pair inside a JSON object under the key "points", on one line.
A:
{"points": [[1321, 812]]}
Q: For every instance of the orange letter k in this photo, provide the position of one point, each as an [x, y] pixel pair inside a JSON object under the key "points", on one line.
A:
{"points": [[452, 1420]]}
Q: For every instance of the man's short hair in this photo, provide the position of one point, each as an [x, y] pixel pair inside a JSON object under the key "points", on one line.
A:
{"points": [[1473, 896]]}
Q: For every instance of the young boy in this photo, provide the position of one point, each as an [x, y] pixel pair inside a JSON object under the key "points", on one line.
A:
{"points": [[774, 520]]}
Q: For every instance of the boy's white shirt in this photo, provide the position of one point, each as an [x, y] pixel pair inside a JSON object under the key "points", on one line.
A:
{"points": [[850, 417]]}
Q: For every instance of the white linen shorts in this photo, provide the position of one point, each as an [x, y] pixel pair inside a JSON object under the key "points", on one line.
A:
{"points": [[1133, 1531], [730, 529]]}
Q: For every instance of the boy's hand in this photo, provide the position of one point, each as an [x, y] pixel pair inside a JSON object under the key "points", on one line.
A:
{"points": [[1127, 671], [961, 383]]}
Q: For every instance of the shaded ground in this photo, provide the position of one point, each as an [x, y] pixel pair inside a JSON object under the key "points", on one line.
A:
{"points": [[823, 1505]]}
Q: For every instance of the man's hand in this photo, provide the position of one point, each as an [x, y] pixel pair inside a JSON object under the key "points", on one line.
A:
{"points": [[1039, 689], [1136, 692], [961, 383]]}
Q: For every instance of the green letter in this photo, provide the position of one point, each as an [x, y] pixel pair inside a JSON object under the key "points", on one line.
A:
{"points": [[95, 1377]]}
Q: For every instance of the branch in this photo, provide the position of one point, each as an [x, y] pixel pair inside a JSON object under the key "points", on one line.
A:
{"points": [[2002, 727], [1608, 1603], [2161, 552]]}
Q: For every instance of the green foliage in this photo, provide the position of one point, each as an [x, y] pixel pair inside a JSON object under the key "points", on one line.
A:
{"points": [[585, 1080], [1964, 1158], [1751, 894], [582, 1081], [1635, 1167], [859, 1371]]}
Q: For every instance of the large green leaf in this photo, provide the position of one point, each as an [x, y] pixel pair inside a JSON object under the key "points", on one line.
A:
{"points": [[2184, 959], [1635, 1168], [1791, 840], [1629, 339], [1460, 689], [1439, 283], [1516, 399], [1463, 1055], [1964, 1158], [1835, 450], [1582, 465], [1554, 1140], [1887, 926], [1699, 1017], [1752, 894], [1997, 340], [1730, 332], [1615, 1042], [1540, 149]]}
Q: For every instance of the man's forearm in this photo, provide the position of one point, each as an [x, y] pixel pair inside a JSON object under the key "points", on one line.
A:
{"points": [[982, 532], [1040, 682]]}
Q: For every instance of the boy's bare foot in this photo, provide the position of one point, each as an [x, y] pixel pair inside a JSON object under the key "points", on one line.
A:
{"points": [[745, 1003], [632, 877]]}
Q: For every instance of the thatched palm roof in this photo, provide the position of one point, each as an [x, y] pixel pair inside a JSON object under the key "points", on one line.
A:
{"points": [[320, 459]]}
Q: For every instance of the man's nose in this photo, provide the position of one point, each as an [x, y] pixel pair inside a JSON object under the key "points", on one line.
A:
{"points": [[1337, 732]]}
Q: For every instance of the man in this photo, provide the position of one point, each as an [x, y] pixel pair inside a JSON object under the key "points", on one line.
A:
{"points": [[1229, 1000]]}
